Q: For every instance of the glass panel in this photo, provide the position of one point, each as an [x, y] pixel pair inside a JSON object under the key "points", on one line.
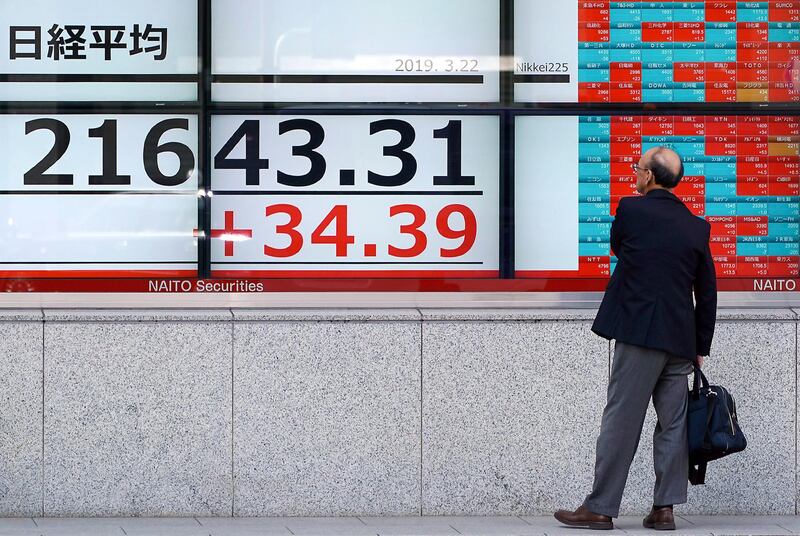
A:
{"points": [[356, 51], [98, 195], [742, 174], [363, 196], [640, 52], [87, 51]]}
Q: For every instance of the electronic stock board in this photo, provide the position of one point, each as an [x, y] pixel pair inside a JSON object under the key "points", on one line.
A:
{"points": [[448, 140]]}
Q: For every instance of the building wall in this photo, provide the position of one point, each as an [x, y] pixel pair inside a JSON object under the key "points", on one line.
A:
{"points": [[355, 412]]}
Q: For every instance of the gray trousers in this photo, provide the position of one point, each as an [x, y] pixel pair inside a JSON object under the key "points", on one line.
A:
{"points": [[637, 374]]}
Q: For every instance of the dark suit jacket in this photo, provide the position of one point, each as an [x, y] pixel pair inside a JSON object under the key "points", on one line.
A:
{"points": [[663, 256]]}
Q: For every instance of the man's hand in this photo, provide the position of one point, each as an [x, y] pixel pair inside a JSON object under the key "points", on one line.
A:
{"points": [[700, 361]]}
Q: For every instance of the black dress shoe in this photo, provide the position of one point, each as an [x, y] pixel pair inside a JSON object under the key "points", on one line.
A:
{"points": [[583, 518], [661, 519]]}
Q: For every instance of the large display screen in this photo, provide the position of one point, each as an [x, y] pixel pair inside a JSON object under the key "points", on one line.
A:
{"points": [[362, 145], [742, 173], [652, 52], [356, 196], [356, 51], [84, 50]]}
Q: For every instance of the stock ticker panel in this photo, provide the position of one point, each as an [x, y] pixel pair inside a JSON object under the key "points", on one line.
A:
{"points": [[689, 51], [742, 174], [645, 52]]}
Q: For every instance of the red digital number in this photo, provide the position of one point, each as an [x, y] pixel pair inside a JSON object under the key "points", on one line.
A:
{"points": [[468, 234], [340, 239], [289, 229], [413, 229]]}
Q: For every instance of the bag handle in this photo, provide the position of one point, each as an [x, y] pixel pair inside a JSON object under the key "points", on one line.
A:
{"points": [[699, 378]]}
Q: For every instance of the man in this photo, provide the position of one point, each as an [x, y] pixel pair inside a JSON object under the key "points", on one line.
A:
{"points": [[664, 257]]}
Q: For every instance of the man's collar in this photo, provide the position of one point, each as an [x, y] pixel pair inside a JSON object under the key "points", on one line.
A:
{"points": [[661, 192]]}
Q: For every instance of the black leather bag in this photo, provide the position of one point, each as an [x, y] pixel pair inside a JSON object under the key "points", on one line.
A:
{"points": [[713, 427]]}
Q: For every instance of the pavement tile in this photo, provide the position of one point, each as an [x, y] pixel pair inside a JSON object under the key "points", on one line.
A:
{"points": [[186, 526], [408, 526], [740, 525], [489, 525], [99, 526], [683, 527], [548, 526], [328, 526], [790, 523], [18, 526], [245, 526]]}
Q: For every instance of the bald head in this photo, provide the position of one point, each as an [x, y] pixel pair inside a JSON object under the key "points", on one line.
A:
{"points": [[666, 166]]}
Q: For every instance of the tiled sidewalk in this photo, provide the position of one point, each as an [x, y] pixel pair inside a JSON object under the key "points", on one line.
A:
{"points": [[395, 526]]}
